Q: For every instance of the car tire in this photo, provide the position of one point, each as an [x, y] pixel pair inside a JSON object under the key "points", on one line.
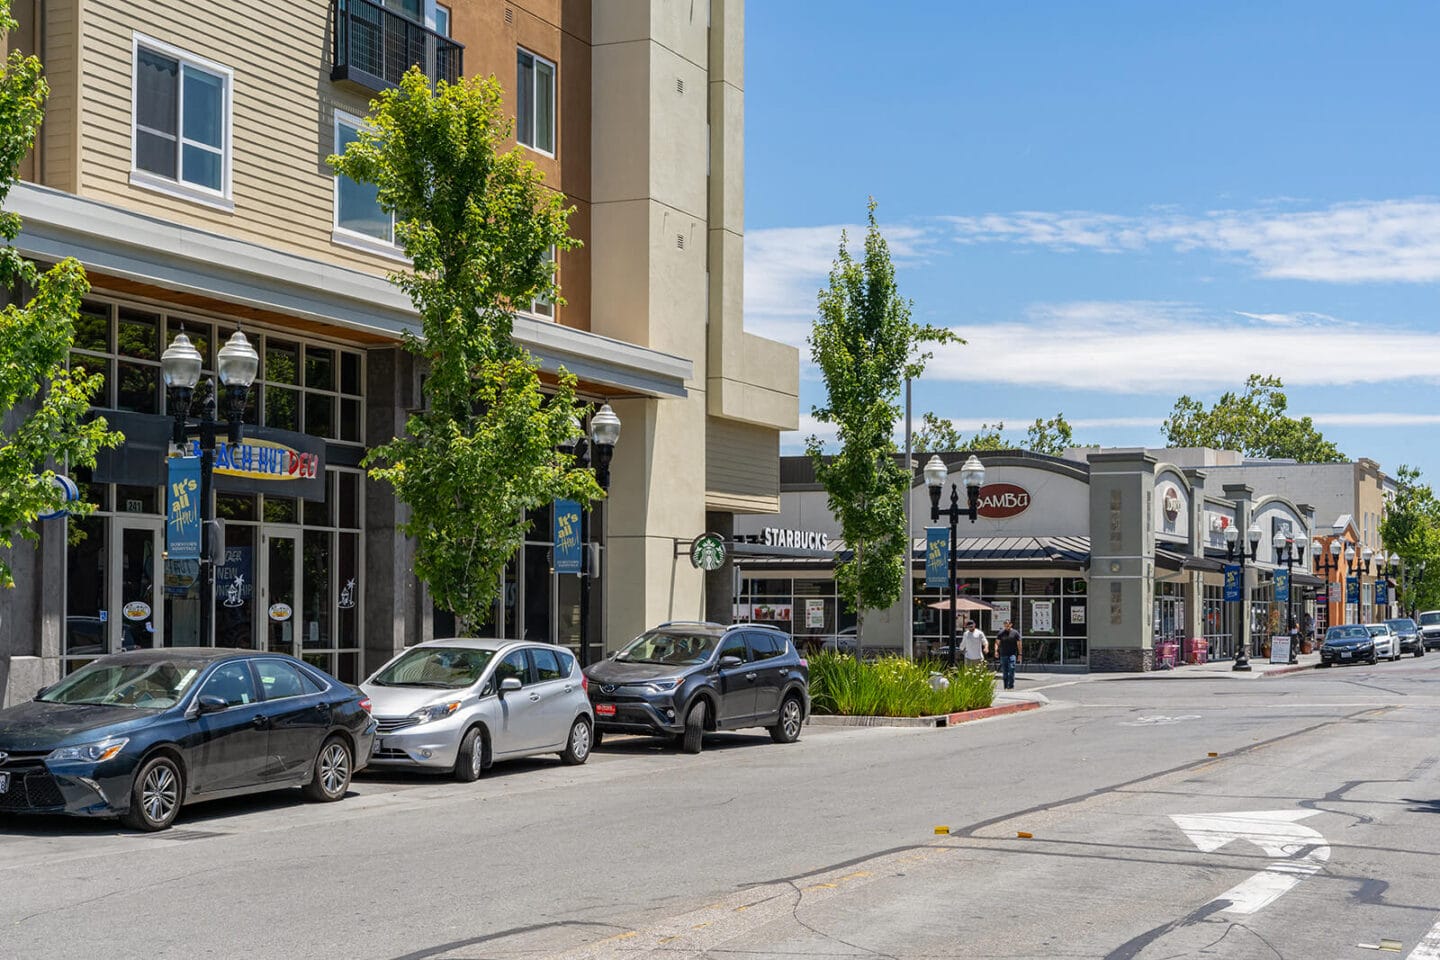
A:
{"points": [[334, 765], [1325, 666], [470, 758], [155, 795], [578, 743], [693, 737], [1420, 652], [1374, 659], [597, 737], [792, 715]]}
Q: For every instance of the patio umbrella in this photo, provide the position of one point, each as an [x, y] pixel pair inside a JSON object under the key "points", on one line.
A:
{"points": [[961, 603]]}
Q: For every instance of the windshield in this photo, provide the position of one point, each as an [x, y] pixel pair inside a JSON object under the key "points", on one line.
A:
{"points": [[1347, 633], [664, 647], [1431, 618], [1377, 629], [1406, 626], [152, 685], [446, 667]]}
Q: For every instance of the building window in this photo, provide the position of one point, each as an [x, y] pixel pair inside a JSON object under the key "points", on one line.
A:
{"points": [[181, 134], [442, 20], [535, 111], [357, 205], [540, 306]]}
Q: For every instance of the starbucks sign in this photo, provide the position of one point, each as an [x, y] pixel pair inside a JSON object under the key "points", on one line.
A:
{"points": [[707, 552]]}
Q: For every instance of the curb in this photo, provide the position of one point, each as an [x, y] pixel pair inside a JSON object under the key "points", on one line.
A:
{"points": [[939, 720], [1295, 668]]}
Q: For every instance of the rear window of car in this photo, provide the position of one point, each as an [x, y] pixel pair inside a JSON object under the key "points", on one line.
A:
{"points": [[547, 667], [765, 644], [567, 662], [1401, 625]]}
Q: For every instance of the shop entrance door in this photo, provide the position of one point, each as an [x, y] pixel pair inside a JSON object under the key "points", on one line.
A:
{"points": [[136, 614], [280, 588]]}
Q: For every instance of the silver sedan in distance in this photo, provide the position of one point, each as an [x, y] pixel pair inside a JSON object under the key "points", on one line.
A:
{"points": [[460, 705]]}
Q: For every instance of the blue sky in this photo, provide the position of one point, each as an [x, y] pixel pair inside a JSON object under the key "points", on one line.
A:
{"points": [[1116, 203]]}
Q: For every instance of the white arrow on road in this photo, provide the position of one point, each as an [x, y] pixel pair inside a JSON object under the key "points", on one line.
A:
{"points": [[1299, 851]]}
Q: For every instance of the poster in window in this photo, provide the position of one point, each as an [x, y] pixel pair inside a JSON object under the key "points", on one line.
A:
{"points": [[1077, 615], [815, 614], [1002, 612], [1042, 616]]}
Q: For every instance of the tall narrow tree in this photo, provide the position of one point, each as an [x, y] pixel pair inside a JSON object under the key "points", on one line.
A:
{"points": [[478, 226], [866, 344], [44, 405]]}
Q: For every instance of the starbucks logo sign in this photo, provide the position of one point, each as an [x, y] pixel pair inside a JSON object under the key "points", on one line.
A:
{"points": [[707, 552]]}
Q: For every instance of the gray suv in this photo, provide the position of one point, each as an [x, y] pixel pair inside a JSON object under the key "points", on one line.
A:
{"points": [[1430, 629], [688, 679]]}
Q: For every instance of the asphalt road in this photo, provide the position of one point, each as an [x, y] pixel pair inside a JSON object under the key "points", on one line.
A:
{"points": [[1312, 832]]}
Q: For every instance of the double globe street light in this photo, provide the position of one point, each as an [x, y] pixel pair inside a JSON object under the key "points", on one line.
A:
{"points": [[596, 451], [1289, 550], [237, 363], [972, 478], [1232, 542]]}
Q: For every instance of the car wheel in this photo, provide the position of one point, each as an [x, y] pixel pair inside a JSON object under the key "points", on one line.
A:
{"points": [[470, 761], [577, 747], [694, 735], [1419, 651], [1374, 659], [333, 766], [1325, 666], [792, 714], [155, 795]]}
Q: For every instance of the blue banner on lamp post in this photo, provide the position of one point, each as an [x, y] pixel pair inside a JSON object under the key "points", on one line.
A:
{"points": [[182, 512], [1233, 574], [937, 557], [1382, 593], [568, 549], [1352, 590], [1282, 585]]}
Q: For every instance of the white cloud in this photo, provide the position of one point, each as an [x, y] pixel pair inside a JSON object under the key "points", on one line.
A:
{"points": [[1375, 419], [785, 268], [1365, 241], [1167, 348]]}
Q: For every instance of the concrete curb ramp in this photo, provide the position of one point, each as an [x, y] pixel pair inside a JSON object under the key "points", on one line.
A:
{"points": [[939, 720]]}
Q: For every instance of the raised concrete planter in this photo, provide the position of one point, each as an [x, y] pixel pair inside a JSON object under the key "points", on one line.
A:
{"points": [[938, 720]]}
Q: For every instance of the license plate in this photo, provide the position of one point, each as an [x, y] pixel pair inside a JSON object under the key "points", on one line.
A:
{"points": [[604, 709], [4, 782], [1344, 656]]}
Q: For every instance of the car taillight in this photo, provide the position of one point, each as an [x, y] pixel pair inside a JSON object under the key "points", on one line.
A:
{"points": [[584, 683], [805, 663], [365, 704]]}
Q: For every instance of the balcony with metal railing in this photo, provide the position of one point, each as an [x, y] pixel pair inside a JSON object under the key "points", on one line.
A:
{"points": [[375, 45]]}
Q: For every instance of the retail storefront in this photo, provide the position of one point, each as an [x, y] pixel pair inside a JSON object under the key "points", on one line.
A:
{"points": [[1095, 561]]}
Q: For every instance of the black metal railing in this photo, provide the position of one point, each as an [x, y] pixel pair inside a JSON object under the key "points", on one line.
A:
{"points": [[374, 46]]}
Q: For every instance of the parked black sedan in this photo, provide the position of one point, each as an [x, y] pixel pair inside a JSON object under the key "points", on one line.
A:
{"points": [[136, 735], [1349, 643]]}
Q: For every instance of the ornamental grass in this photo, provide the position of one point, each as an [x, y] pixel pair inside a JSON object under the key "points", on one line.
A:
{"points": [[895, 687]]}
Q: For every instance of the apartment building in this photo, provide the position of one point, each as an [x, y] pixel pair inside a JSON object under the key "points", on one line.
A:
{"points": [[182, 161]]}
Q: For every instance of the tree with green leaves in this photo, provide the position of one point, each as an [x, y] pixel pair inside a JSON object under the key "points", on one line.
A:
{"points": [[1253, 422], [44, 405], [1410, 528], [478, 225], [938, 435], [1052, 437], [866, 344]]}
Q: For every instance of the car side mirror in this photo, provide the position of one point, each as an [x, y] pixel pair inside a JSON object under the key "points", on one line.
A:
{"points": [[510, 685], [209, 703], [41, 692], [727, 663]]}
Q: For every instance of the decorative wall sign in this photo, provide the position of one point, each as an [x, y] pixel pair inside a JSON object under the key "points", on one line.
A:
{"points": [[707, 552], [136, 610], [280, 612], [804, 539], [1001, 500], [1170, 503]]}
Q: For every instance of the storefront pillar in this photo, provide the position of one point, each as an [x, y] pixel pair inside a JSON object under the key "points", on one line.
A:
{"points": [[392, 608], [1122, 564], [720, 584]]}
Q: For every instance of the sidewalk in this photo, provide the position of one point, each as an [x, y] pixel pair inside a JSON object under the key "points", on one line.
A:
{"points": [[1259, 669]]}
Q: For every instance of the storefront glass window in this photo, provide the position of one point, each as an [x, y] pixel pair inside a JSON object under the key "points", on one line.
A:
{"points": [[86, 567], [92, 327]]}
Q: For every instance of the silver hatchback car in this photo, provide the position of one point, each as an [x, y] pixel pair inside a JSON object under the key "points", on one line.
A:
{"points": [[460, 705]]}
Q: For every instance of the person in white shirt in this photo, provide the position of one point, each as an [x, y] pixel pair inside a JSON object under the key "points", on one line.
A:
{"points": [[972, 644]]}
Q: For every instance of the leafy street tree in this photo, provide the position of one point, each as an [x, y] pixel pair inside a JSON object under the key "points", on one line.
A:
{"points": [[1253, 422], [478, 225], [43, 404], [1411, 528], [1052, 436], [938, 435], [865, 345]]}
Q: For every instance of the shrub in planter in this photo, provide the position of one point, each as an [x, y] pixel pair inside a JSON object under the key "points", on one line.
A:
{"points": [[895, 687]]}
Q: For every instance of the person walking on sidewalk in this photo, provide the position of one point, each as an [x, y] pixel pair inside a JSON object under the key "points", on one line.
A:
{"points": [[1007, 643], [972, 644]]}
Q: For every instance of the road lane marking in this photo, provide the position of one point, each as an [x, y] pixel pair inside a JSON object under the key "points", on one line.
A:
{"points": [[1298, 850], [1429, 947]]}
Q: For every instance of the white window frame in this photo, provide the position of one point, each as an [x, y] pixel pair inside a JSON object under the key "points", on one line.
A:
{"points": [[435, 19], [554, 104], [353, 238], [220, 199], [536, 305]]}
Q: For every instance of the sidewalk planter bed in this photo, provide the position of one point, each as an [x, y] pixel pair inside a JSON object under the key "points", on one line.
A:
{"points": [[894, 687]]}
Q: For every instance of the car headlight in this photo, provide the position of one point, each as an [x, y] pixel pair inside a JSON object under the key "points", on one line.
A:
{"points": [[664, 686], [436, 711], [97, 752]]}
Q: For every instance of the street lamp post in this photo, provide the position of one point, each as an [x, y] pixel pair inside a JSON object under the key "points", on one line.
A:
{"points": [[1330, 565], [972, 477], [180, 364], [1289, 550], [594, 450], [1382, 574], [1232, 541]]}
